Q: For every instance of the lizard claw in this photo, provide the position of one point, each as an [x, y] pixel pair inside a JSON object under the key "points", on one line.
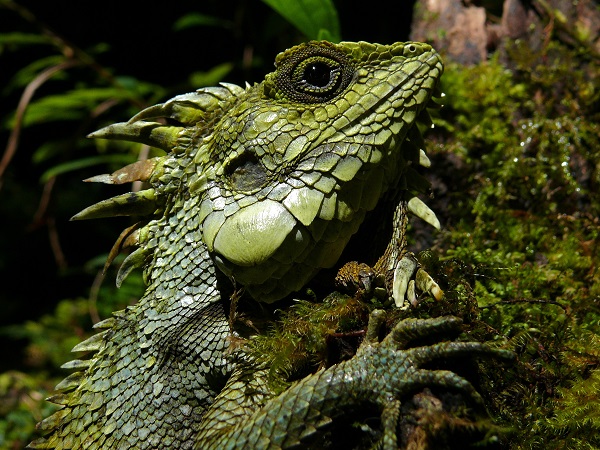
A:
{"points": [[408, 278], [425, 283], [402, 282]]}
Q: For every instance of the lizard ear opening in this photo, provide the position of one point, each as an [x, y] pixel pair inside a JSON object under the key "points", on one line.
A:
{"points": [[245, 173]]}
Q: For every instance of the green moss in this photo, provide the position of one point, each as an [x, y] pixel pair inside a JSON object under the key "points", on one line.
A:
{"points": [[524, 135], [305, 336]]}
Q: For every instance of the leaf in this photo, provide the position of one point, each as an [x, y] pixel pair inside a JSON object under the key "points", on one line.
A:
{"points": [[210, 77], [140, 89], [49, 150], [26, 74], [17, 39], [86, 162], [199, 20], [72, 105], [317, 19]]}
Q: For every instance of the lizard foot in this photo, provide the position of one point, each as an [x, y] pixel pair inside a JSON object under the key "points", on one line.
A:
{"points": [[381, 376], [395, 367]]}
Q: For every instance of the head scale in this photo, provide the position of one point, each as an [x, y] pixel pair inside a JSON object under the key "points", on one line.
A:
{"points": [[274, 179]]}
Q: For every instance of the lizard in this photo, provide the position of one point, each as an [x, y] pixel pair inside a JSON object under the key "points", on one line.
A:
{"points": [[261, 187]]}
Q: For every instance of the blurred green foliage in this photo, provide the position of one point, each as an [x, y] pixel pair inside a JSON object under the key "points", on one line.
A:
{"points": [[316, 19]]}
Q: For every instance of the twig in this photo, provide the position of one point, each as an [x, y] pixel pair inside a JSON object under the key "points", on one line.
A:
{"points": [[44, 201], [527, 300], [13, 140], [93, 298], [59, 256]]}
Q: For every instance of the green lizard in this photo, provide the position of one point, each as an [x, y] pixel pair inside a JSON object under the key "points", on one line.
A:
{"points": [[261, 187]]}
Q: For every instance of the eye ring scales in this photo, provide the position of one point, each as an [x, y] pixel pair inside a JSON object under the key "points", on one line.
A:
{"points": [[315, 74]]}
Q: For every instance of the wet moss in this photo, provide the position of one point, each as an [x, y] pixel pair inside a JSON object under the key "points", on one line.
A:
{"points": [[524, 137]]}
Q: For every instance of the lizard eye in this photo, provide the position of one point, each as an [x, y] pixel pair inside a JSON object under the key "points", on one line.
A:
{"points": [[313, 74], [317, 76]]}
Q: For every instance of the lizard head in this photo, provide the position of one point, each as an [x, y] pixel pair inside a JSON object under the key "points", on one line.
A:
{"points": [[275, 178]]}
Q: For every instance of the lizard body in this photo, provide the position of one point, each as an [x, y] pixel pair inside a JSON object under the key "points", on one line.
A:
{"points": [[265, 185]]}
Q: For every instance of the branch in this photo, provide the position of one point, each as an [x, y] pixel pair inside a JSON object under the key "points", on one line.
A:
{"points": [[13, 139]]}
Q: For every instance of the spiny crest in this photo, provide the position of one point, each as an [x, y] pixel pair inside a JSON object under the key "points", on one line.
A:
{"points": [[198, 110], [167, 126]]}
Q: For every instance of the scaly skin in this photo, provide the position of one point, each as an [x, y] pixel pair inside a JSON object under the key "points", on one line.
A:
{"points": [[380, 374], [265, 185]]}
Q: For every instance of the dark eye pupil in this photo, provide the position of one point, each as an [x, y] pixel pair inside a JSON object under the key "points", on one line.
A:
{"points": [[317, 74]]}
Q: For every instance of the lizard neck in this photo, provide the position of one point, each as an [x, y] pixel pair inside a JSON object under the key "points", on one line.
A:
{"points": [[178, 333], [160, 361]]}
